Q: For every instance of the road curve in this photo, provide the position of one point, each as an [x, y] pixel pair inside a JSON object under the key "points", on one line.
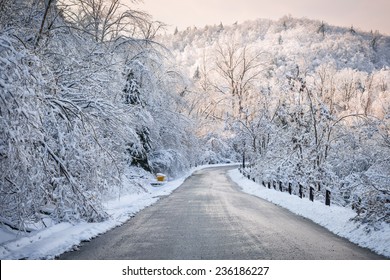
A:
{"points": [[208, 217]]}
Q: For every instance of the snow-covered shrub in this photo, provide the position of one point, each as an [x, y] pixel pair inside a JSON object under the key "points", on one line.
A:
{"points": [[217, 150], [169, 162], [369, 194]]}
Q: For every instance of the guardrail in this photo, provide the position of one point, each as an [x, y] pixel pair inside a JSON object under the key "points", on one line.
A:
{"points": [[293, 189]]}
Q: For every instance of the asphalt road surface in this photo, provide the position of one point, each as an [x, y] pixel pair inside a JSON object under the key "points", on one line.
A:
{"points": [[208, 217]]}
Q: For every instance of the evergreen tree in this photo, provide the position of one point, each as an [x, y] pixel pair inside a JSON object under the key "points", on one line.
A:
{"points": [[132, 90]]}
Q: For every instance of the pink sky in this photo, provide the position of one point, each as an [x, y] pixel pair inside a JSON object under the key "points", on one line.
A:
{"points": [[362, 14]]}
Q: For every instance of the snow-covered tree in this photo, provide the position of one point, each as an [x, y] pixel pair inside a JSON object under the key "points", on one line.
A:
{"points": [[76, 111], [313, 116]]}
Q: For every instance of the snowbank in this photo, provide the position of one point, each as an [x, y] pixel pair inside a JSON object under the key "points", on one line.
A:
{"points": [[335, 218]]}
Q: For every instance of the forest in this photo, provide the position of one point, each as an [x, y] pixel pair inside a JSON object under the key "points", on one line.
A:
{"points": [[94, 93], [304, 103]]}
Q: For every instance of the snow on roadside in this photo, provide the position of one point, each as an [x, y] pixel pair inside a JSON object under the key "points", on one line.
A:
{"points": [[57, 239], [335, 218]]}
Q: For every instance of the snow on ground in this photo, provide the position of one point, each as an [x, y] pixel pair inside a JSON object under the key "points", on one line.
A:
{"points": [[57, 239], [335, 218]]}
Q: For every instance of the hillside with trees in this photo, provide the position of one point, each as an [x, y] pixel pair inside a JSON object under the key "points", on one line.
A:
{"points": [[305, 103]]}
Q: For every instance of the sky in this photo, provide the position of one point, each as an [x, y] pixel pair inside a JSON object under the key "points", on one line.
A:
{"points": [[365, 15]]}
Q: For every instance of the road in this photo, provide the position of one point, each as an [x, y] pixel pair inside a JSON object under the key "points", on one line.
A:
{"points": [[209, 217]]}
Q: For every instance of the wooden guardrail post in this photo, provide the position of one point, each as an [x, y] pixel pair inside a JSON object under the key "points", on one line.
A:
{"points": [[300, 191], [327, 198], [311, 194]]}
